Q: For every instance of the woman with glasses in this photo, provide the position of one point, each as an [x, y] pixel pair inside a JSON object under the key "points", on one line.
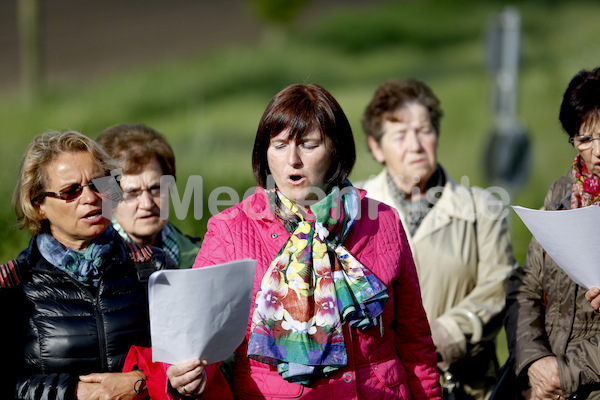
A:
{"points": [[75, 300], [145, 157], [552, 330]]}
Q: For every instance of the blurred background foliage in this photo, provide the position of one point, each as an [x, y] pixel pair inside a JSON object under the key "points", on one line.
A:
{"points": [[208, 105], [281, 12]]}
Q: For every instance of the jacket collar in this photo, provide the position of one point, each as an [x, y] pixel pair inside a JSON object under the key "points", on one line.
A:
{"points": [[559, 196], [456, 202], [31, 255], [258, 205]]}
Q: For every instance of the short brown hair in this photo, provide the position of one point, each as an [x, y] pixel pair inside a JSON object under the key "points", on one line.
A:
{"points": [[394, 94], [32, 179], [303, 109], [135, 145]]}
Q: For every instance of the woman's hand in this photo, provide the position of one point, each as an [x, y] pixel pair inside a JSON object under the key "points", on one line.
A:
{"points": [[593, 297], [188, 378], [544, 380], [111, 386], [87, 391]]}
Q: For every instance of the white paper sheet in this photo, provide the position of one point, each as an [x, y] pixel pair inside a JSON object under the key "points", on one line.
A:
{"points": [[570, 237], [200, 313]]}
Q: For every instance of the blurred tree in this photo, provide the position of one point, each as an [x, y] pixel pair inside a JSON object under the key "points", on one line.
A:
{"points": [[279, 16]]}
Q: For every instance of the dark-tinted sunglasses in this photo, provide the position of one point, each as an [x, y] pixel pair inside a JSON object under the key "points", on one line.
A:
{"points": [[71, 193]]}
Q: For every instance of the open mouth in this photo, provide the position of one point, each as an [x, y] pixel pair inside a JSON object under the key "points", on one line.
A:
{"points": [[296, 178], [93, 214]]}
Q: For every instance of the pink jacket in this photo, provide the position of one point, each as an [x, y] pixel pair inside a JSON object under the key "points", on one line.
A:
{"points": [[395, 361]]}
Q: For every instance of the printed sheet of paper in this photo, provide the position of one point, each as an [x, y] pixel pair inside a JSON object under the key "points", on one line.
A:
{"points": [[200, 313], [570, 237]]}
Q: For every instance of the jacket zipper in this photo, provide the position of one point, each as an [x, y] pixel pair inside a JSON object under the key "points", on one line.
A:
{"points": [[100, 327], [99, 319]]}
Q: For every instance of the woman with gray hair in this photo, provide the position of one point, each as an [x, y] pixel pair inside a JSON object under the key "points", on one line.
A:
{"points": [[458, 235], [75, 299]]}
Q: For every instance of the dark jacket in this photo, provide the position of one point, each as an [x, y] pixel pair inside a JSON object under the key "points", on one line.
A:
{"points": [[548, 315], [55, 329]]}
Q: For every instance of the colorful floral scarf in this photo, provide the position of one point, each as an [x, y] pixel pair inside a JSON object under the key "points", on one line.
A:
{"points": [[311, 288], [586, 189], [86, 266]]}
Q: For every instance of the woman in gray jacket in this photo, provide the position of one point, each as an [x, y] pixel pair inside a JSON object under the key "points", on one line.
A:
{"points": [[552, 330], [458, 235]]}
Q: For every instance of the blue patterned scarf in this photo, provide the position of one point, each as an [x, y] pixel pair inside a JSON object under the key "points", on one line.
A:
{"points": [[85, 266]]}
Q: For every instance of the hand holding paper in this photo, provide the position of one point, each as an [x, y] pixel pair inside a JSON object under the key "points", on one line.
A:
{"points": [[200, 313]]}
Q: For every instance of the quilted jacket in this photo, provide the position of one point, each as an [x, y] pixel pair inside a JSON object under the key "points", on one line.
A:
{"points": [[55, 329], [394, 361], [548, 315]]}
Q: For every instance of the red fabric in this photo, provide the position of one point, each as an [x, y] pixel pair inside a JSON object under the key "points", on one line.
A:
{"points": [[140, 358], [586, 188]]}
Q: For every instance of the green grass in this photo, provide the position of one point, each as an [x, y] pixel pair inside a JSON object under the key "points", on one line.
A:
{"points": [[209, 105]]}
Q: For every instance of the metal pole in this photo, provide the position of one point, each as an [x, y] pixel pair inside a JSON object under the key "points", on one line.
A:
{"points": [[508, 73], [507, 153], [30, 46]]}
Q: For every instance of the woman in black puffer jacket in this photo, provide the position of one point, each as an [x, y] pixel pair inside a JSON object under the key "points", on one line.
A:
{"points": [[75, 300]]}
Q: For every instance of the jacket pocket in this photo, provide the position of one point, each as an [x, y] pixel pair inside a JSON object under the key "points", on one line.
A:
{"points": [[269, 384], [390, 372]]}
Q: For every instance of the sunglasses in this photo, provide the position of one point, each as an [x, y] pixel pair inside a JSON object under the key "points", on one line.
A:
{"points": [[71, 193]]}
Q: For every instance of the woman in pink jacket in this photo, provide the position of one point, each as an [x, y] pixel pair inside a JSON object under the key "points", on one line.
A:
{"points": [[337, 308]]}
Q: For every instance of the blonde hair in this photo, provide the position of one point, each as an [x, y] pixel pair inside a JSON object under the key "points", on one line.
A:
{"points": [[32, 179]]}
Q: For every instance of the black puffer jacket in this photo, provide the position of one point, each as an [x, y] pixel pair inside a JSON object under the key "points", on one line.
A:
{"points": [[55, 329]]}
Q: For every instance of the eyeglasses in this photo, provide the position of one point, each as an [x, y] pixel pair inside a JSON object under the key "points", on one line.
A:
{"points": [[71, 193], [134, 194], [583, 142]]}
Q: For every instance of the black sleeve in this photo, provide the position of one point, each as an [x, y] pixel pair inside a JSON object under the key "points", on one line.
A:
{"points": [[17, 381], [11, 340], [46, 387]]}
